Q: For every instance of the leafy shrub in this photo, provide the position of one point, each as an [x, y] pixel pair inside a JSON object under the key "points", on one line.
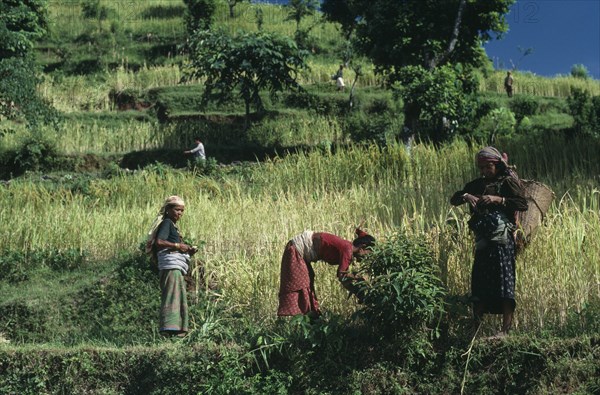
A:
{"points": [[379, 128], [104, 308], [580, 71], [35, 153], [429, 97], [322, 104], [69, 259], [17, 266], [207, 167], [585, 110], [484, 106], [13, 267], [403, 293], [499, 122], [524, 106], [199, 14], [24, 321]]}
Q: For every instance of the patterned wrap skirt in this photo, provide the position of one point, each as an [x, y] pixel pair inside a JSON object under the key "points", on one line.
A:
{"points": [[493, 276], [173, 306], [296, 287]]}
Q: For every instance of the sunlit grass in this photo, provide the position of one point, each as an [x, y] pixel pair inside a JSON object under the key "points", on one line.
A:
{"points": [[246, 221]]}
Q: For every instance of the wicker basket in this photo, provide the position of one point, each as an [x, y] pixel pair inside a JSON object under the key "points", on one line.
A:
{"points": [[539, 197]]}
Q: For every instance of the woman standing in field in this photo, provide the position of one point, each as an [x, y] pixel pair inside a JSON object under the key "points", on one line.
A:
{"points": [[494, 200], [297, 288], [173, 256]]}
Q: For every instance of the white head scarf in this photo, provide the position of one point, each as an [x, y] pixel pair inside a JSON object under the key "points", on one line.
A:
{"points": [[170, 201]]}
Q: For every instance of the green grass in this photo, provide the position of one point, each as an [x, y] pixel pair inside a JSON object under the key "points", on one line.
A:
{"points": [[270, 202]]}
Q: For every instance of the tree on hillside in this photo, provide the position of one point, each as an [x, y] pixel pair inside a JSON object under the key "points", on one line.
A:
{"points": [[247, 63], [426, 33], [423, 33], [231, 4], [199, 14], [21, 23]]}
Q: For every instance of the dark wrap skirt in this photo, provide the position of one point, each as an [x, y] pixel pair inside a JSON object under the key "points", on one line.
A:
{"points": [[493, 276]]}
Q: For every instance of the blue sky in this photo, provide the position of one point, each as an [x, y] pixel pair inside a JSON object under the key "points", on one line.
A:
{"points": [[560, 32]]}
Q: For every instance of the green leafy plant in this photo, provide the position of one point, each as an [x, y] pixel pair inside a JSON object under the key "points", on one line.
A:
{"points": [[524, 106], [585, 110], [580, 71], [499, 122], [199, 14], [36, 153], [433, 101], [402, 293]]}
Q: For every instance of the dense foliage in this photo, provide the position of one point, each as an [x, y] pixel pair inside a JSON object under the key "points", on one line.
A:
{"points": [[199, 14], [21, 23], [427, 33], [403, 296]]}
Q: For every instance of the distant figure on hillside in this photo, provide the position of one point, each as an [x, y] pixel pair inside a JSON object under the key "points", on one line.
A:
{"points": [[167, 248], [493, 200], [339, 78], [508, 84], [197, 151], [297, 278]]}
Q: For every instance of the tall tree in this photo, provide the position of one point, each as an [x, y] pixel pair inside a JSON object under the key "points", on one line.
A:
{"points": [[247, 63], [427, 33], [21, 23]]}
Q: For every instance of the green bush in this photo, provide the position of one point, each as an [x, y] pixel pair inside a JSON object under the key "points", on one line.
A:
{"points": [[585, 110], [362, 127], [35, 153], [580, 71], [103, 309], [524, 106], [499, 122], [13, 267], [17, 266], [403, 293], [92, 9], [322, 104]]}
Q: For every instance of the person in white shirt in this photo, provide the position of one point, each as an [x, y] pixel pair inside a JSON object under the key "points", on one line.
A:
{"points": [[198, 151]]}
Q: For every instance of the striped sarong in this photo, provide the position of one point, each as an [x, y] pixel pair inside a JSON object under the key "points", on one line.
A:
{"points": [[173, 306]]}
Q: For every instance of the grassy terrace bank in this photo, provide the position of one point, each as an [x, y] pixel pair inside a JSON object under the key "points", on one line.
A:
{"points": [[516, 366]]}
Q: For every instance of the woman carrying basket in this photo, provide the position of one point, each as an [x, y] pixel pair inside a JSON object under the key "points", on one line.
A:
{"points": [[494, 200]]}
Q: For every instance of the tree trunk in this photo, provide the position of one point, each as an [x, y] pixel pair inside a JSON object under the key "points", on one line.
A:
{"points": [[433, 63]]}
